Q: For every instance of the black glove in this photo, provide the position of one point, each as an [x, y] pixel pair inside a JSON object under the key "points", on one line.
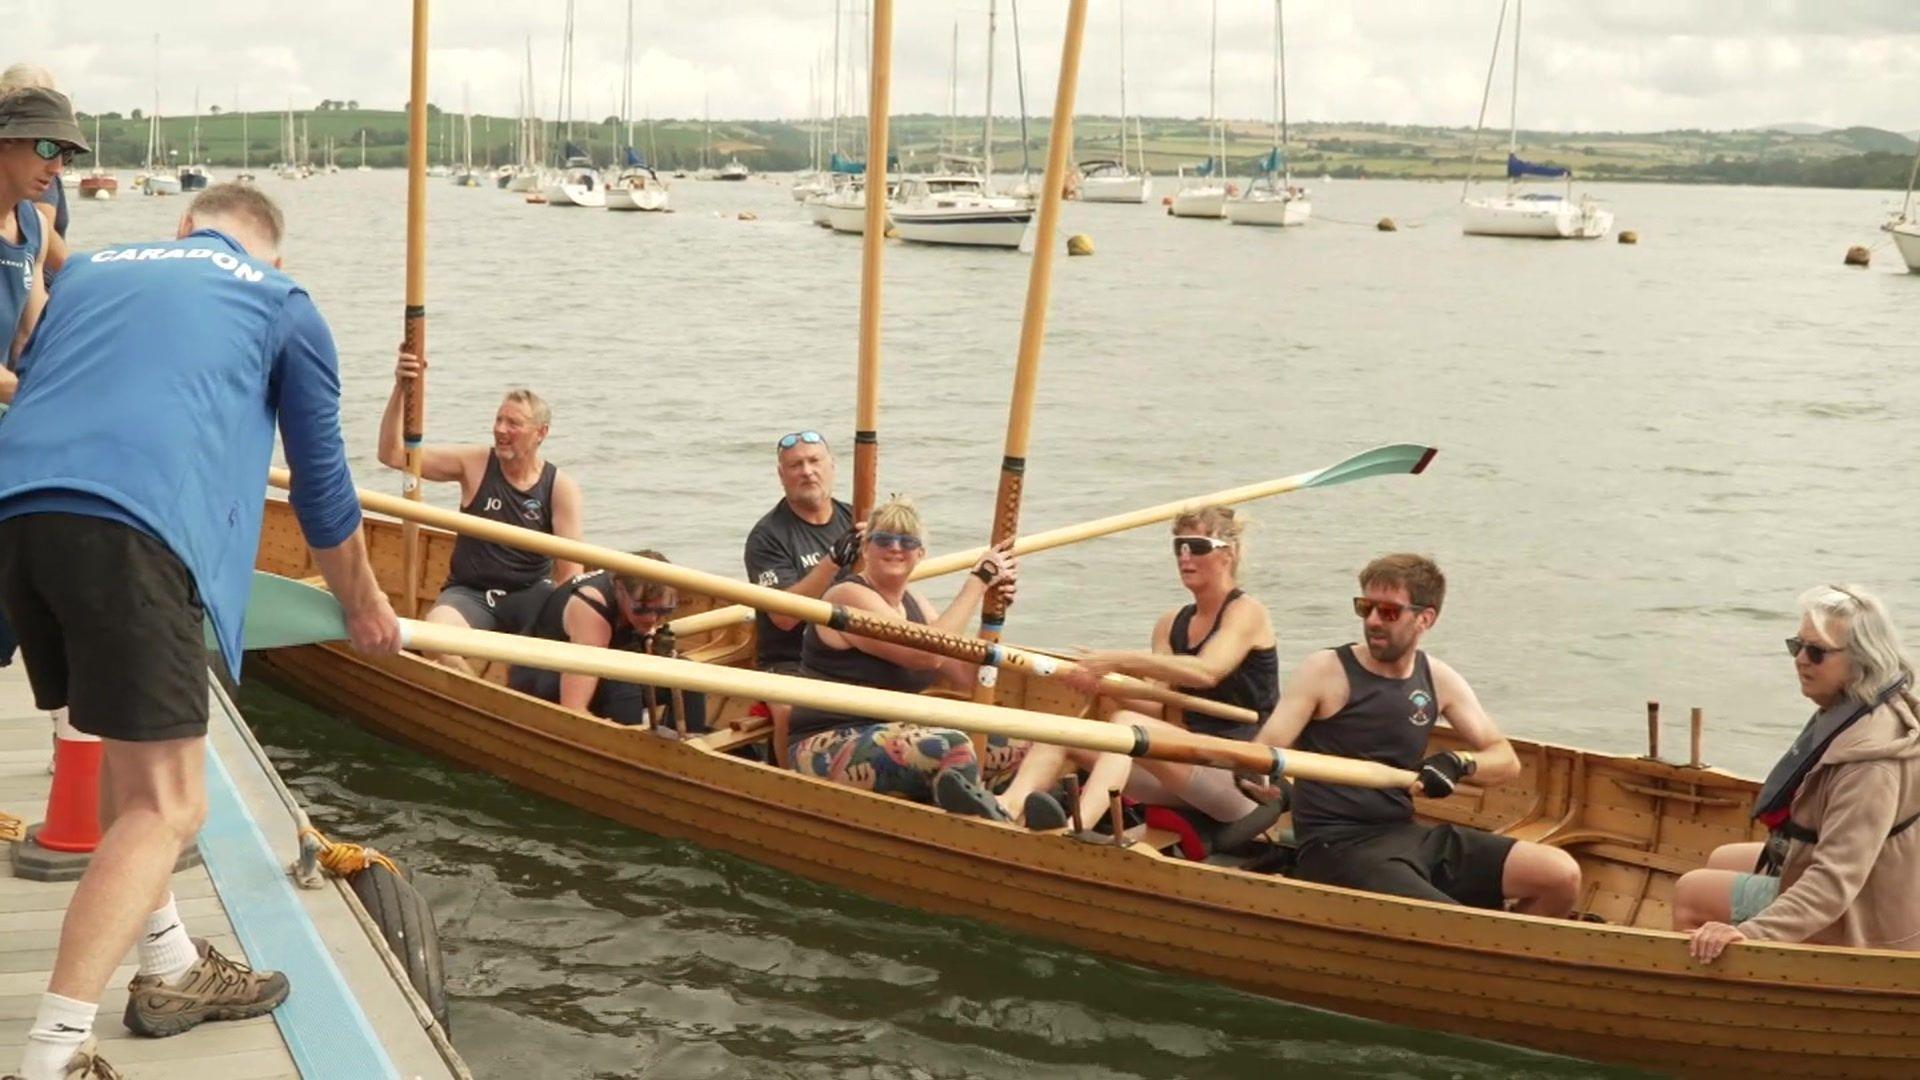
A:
{"points": [[1441, 773], [845, 551]]}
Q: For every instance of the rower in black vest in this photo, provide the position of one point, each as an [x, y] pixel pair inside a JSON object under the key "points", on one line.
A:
{"points": [[1380, 703], [1233, 661], [604, 609], [492, 586]]}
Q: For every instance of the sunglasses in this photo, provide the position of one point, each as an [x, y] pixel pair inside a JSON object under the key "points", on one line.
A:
{"points": [[1198, 545], [1389, 611], [1816, 654], [48, 149], [787, 442], [894, 540]]}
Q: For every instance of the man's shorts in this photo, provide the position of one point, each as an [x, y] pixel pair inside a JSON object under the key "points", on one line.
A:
{"points": [[1446, 863], [507, 611], [1751, 895], [109, 623]]}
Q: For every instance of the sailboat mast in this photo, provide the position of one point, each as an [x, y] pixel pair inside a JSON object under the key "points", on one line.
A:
{"points": [[1020, 90], [1486, 95], [1213, 66], [1513, 100], [193, 153], [836, 77], [953, 93], [626, 89], [986, 135], [1123, 86]]}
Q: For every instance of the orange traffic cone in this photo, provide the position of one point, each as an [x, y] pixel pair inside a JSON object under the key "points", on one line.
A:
{"points": [[73, 806]]}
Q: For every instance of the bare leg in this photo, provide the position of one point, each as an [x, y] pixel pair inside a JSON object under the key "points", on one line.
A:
{"points": [[158, 801], [1108, 775], [1742, 857], [1042, 767], [446, 615], [1704, 896], [1541, 880]]}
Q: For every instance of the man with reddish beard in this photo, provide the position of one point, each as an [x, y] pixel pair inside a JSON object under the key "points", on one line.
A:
{"points": [[492, 586], [1379, 704]]}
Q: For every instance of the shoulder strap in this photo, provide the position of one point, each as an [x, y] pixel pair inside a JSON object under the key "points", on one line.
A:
{"points": [[602, 581], [1177, 633]]}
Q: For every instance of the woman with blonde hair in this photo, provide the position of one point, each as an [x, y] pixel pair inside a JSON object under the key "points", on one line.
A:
{"points": [[1220, 646], [1842, 864], [923, 764]]}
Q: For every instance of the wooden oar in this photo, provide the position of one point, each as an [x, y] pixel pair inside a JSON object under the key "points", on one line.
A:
{"points": [[282, 613], [1033, 330], [413, 337], [806, 608], [873, 242], [1398, 459]]}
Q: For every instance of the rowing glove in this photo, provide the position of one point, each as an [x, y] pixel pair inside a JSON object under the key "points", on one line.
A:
{"points": [[846, 550], [1441, 773]]}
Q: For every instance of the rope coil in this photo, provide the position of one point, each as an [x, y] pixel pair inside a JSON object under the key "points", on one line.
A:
{"points": [[344, 860]]}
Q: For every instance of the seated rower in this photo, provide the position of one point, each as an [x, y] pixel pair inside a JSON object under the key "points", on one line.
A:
{"points": [[1221, 647], [1843, 864], [493, 586], [614, 611], [1378, 704], [924, 764]]}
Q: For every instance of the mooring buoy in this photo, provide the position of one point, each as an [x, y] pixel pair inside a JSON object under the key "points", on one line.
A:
{"points": [[1079, 244], [1386, 224], [1858, 255], [1628, 236]]}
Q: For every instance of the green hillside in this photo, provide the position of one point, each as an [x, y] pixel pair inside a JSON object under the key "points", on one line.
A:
{"points": [[1846, 157]]}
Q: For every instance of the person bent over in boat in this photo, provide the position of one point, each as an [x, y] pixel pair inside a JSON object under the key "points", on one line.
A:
{"points": [[1378, 703], [493, 586], [1842, 865], [1221, 647], [609, 610], [924, 764]]}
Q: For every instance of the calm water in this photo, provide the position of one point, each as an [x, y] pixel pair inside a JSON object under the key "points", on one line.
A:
{"points": [[1646, 453]]}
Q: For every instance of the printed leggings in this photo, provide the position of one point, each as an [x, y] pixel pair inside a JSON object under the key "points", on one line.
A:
{"points": [[902, 759]]}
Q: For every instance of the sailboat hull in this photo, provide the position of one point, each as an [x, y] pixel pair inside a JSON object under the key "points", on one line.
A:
{"points": [[1270, 211], [1535, 217], [162, 185], [1200, 202], [847, 217], [1906, 237], [575, 195], [819, 212], [99, 187], [648, 199], [985, 227], [1116, 189], [524, 181]]}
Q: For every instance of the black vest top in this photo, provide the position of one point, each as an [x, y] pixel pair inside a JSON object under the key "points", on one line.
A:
{"points": [[818, 660], [1255, 684], [479, 564], [1385, 720], [551, 622]]}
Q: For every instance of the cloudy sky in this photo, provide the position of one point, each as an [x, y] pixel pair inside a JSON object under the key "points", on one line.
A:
{"points": [[1587, 65]]}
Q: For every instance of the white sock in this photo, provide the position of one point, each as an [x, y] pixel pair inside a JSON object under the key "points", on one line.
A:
{"points": [[59, 1029], [165, 949]]}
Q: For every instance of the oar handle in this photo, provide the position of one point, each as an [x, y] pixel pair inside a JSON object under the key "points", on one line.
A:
{"points": [[889, 705]]}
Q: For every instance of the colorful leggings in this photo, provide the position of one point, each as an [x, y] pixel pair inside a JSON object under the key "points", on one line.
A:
{"points": [[901, 759]]}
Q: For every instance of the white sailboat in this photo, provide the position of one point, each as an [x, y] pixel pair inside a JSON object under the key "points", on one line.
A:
{"points": [[1113, 180], [578, 183], [526, 170], [464, 176], [1271, 197], [1537, 215], [1904, 229], [1203, 194], [637, 187], [99, 184]]}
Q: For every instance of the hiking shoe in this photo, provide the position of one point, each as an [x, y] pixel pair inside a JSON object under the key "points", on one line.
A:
{"points": [[1044, 812], [957, 793], [85, 1064], [216, 988]]}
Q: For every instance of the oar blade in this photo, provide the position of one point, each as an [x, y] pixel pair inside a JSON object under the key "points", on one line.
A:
{"points": [[282, 613], [1397, 459]]}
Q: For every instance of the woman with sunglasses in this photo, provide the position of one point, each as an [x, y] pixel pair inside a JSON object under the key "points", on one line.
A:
{"points": [[38, 137], [1842, 863], [1221, 647], [613, 611], [924, 764]]}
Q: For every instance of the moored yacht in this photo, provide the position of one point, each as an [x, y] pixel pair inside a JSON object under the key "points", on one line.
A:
{"points": [[578, 184], [957, 208]]}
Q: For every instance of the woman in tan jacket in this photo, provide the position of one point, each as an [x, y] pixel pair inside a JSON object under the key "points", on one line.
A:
{"points": [[1842, 866]]}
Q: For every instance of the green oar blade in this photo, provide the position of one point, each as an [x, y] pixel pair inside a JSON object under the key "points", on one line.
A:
{"points": [[1408, 458], [282, 613]]}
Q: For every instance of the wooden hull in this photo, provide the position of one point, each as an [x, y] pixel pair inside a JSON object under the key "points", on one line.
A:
{"points": [[1618, 993]]}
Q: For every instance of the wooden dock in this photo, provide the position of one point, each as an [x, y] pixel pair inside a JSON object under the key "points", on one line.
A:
{"points": [[349, 1015]]}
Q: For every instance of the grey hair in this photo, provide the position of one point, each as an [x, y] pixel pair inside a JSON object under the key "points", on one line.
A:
{"points": [[1872, 640], [26, 77]]}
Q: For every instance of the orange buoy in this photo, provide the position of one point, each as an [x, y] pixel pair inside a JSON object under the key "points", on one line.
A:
{"points": [[1858, 255]]}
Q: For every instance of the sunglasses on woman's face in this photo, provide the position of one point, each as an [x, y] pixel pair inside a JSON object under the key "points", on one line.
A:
{"points": [[894, 540], [1389, 611], [48, 149], [787, 442], [1816, 654], [1198, 545]]}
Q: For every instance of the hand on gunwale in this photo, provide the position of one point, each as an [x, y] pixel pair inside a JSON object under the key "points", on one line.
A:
{"points": [[1710, 939]]}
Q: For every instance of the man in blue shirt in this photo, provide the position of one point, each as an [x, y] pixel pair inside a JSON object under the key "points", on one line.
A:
{"points": [[131, 472]]}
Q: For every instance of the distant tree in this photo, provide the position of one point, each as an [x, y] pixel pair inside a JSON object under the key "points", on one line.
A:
{"points": [[136, 114], [611, 121], [213, 110], [354, 105]]}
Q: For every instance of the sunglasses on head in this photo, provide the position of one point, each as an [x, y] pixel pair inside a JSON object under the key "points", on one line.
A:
{"points": [[789, 441], [894, 540], [1388, 610], [48, 149], [1816, 654], [1198, 545]]}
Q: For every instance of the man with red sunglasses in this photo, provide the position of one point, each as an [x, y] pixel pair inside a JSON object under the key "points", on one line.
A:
{"points": [[1379, 704]]}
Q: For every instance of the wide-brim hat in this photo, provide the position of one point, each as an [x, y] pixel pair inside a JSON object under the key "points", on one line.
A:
{"points": [[35, 113]]}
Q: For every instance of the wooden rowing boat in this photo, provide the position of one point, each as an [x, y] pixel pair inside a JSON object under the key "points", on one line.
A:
{"points": [[1620, 991]]}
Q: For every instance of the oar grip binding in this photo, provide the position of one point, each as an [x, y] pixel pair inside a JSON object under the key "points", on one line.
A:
{"points": [[866, 438]]}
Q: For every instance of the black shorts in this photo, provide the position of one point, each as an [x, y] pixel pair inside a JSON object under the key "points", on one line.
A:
{"points": [[109, 623], [621, 702], [509, 611], [1447, 863]]}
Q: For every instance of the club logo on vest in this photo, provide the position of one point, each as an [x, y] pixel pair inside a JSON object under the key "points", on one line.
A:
{"points": [[1422, 708], [530, 510]]}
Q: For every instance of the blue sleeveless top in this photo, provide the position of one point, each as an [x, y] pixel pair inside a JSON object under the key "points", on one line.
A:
{"points": [[17, 268]]}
